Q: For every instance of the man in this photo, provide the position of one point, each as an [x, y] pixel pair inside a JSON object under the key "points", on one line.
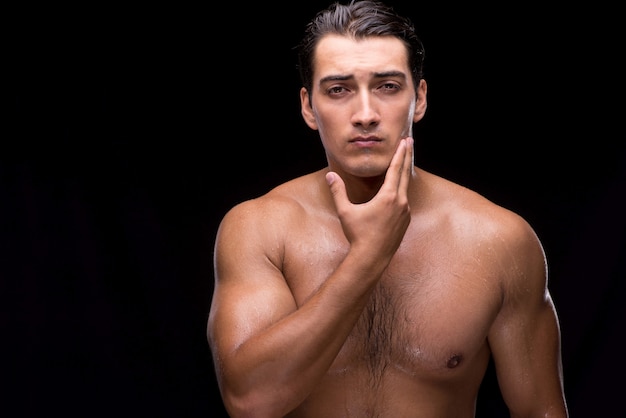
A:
{"points": [[372, 288]]}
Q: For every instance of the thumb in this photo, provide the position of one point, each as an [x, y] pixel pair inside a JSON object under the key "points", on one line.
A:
{"points": [[337, 189]]}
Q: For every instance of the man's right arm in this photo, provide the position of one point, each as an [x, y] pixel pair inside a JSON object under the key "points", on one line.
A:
{"points": [[268, 352], [255, 324]]}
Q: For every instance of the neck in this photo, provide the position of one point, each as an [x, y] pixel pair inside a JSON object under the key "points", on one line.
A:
{"points": [[362, 189]]}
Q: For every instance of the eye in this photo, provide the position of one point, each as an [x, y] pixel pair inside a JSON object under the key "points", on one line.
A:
{"points": [[336, 90], [389, 87]]}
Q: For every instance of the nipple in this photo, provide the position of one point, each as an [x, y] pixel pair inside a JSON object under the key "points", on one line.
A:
{"points": [[454, 361]]}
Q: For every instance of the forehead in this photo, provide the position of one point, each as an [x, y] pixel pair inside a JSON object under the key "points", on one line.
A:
{"points": [[344, 55]]}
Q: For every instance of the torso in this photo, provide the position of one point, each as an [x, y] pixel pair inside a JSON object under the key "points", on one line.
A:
{"points": [[421, 343]]}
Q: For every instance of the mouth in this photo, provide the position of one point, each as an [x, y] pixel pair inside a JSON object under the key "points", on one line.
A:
{"points": [[369, 139], [366, 142]]}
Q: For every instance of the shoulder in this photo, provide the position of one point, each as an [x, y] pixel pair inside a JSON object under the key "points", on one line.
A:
{"points": [[502, 235], [271, 212], [259, 229], [470, 209]]}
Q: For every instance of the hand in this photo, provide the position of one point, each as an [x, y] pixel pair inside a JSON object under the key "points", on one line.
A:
{"points": [[379, 224]]}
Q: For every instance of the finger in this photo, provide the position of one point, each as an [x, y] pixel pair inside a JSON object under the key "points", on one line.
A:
{"points": [[407, 165], [337, 190], [396, 167]]}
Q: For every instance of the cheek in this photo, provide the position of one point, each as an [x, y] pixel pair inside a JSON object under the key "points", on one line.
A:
{"points": [[408, 109], [399, 116], [327, 122], [411, 112]]}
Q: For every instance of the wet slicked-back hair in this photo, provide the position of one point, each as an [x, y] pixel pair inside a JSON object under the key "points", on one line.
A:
{"points": [[359, 19]]}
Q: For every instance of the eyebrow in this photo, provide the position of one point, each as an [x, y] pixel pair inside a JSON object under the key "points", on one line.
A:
{"points": [[383, 74]]}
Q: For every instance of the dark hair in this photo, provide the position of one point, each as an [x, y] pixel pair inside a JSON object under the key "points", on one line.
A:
{"points": [[359, 19]]}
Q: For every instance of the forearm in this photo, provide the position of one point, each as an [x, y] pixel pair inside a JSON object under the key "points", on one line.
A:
{"points": [[276, 369]]}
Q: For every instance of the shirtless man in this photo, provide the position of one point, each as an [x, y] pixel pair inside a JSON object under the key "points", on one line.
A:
{"points": [[372, 288]]}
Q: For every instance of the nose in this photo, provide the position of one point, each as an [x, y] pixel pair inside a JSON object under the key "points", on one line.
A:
{"points": [[365, 114]]}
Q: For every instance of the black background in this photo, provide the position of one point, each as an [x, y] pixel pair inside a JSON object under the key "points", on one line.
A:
{"points": [[130, 131]]}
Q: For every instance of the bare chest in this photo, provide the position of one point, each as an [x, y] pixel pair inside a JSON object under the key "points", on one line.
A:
{"points": [[428, 316]]}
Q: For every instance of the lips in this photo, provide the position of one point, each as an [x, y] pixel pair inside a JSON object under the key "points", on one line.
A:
{"points": [[366, 142], [369, 138]]}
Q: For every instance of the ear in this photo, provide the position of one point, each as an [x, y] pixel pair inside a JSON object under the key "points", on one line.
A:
{"points": [[420, 101], [307, 111]]}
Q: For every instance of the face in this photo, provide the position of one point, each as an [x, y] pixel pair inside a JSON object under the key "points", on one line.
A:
{"points": [[363, 102]]}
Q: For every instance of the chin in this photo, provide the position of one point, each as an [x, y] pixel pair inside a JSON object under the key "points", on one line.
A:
{"points": [[368, 170]]}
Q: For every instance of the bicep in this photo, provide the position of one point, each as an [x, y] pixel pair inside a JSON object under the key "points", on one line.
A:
{"points": [[525, 337], [250, 292], [526, 352]]}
